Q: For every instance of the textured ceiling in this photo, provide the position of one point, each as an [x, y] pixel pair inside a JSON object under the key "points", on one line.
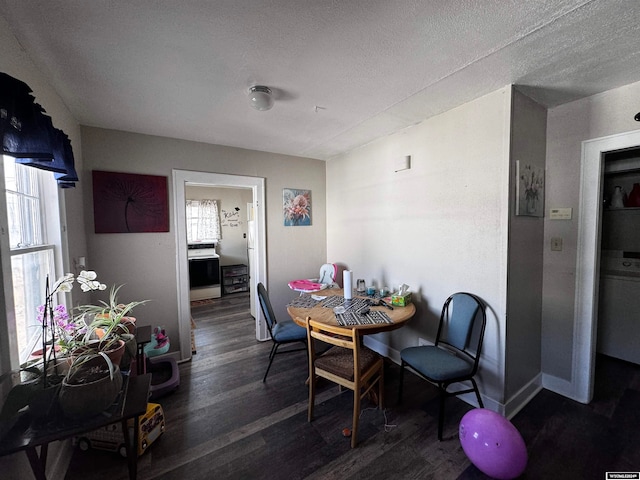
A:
{"points": [[343, 72]]}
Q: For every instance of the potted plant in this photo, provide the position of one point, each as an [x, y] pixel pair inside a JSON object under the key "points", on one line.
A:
{"points": [[90, 386], [110, 317], [109, 326], [37, 382]]}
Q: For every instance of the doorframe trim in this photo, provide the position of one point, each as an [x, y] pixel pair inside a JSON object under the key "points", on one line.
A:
{"points": [[257, 185], [585, 322]]}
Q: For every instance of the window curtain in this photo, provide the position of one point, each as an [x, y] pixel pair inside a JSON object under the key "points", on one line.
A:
{"points": [[203, 221], [28, 133]]}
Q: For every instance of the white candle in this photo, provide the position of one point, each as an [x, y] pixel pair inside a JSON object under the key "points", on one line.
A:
{"points": [[346, 282]]}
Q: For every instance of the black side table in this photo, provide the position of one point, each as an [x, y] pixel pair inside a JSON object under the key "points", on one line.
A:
{"points": [[27, 434]]}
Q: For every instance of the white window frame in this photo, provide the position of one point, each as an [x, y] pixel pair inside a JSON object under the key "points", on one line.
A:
{"points": [[52, 218]]}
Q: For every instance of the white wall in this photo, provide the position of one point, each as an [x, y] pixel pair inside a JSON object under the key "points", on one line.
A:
{"points": [[440, 227], [145, 262], [568, 126]]}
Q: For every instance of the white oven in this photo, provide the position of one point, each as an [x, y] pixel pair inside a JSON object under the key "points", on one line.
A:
{"points": [[204, 266]]}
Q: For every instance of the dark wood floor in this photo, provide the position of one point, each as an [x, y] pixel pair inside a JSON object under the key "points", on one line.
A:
{"points": [[223, 422]]}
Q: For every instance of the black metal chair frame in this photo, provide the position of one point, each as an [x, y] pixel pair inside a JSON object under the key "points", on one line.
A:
{"points": [[444, 384], [270, 318]]}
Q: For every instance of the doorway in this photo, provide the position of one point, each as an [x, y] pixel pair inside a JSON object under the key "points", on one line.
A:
{"points": [[619, 295], [588, 259], [182, 178]]}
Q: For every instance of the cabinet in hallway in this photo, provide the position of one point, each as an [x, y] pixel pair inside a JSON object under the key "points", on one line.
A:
{"points": [[235, 279]]}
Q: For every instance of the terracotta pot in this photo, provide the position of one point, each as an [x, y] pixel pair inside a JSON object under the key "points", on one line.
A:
{"points": [[38, 353], [60, 366], [130, 351], [115, 353], [128, 326], [83, 396]]}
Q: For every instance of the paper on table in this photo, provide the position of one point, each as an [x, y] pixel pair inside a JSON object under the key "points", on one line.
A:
{"points": [[346, 283]]}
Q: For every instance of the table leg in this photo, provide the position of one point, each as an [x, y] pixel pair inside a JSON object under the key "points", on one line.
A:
{"points": [[140, 363], [136, 440], [132, 450], [38, 463]]}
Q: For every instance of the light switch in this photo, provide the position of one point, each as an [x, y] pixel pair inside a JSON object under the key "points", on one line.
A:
{"points": [[556, 244]]}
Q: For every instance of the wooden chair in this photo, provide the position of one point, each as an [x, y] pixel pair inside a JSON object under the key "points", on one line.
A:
{"points": [[337, 365], [452, 359]]}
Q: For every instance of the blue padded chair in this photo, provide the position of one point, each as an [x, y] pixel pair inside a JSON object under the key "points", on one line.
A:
{"points": [[282, 333], [450, 360]]}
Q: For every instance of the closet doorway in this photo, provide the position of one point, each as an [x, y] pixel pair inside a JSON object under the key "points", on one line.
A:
{"points": [[588, 259]]}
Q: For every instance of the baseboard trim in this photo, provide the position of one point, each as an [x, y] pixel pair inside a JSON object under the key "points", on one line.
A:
{"points": [[559, 386], [508, 409], [394, 355], [522, 397]]}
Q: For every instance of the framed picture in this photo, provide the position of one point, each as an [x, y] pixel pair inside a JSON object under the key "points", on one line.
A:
{"points": [[130, 203], [296, 207], [529, 190]]}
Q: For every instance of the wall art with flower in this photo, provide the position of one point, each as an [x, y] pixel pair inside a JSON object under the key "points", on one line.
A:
{"points": [[296, 205], [130, 203], [529, 190]]}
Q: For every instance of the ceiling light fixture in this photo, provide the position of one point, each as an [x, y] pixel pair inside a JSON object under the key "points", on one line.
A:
{"points": [[260, 97]]}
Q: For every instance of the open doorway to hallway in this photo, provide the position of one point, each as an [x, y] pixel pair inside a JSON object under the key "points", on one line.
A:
{"points": [[220, 243], [233, 252]]}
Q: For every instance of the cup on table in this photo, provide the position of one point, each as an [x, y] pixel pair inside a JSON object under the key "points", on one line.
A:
{"points": [[384, 291], [371, 290], [360, 286]]}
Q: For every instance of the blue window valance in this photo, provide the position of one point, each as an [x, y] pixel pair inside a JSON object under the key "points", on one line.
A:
{"points": [[29, 136]]}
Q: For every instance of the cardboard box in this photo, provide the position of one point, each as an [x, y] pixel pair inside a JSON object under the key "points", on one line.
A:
{"points": [[401, 300]]}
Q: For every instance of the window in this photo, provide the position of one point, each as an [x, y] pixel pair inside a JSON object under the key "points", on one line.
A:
{"points": [[203, 221], [30, 198]]}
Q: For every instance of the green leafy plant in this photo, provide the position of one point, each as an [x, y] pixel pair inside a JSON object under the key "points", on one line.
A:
{"points": [[107, 316]]}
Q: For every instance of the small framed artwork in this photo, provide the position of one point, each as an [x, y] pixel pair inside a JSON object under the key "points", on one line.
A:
{"points": [[529, 190], [296, 207], [130, 203]]}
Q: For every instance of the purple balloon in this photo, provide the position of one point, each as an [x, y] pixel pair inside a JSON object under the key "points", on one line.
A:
{"points": [[493, 444]]}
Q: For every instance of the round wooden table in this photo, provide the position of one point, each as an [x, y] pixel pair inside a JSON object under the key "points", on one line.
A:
{"points": [[399, 315]]}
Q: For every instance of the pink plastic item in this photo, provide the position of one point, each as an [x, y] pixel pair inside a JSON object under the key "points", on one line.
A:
{"points": [[493, 444], [326, 279], [305, 285]]}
